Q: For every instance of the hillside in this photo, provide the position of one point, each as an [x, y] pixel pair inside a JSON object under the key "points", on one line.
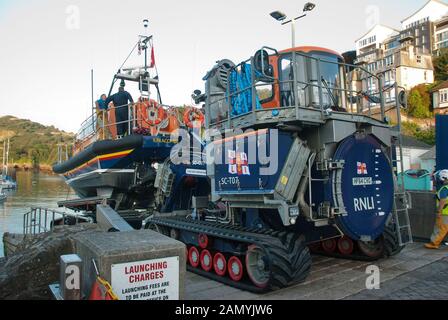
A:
{"points": [[32, 144]]}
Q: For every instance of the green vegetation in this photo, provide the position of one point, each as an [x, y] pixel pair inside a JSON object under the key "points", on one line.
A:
{"points": [[32, 143], [441, 65], [427, 135], [419, 102]]}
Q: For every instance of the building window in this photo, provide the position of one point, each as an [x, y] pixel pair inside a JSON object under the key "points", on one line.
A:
{"points": [[371, 85], [372, 67], [389, 77], [419, 59], [443, 96], [367, 41], [389, 96], [389, 60]]}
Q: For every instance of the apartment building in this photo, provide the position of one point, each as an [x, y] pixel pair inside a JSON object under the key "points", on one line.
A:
{"points": [[441, 34], [402, 56]]}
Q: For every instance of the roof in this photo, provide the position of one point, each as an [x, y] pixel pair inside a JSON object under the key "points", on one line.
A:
{"points": [[377, 25], [439, 1], [441, 20], [430, 155], [410, 142], [308, 49], [443, 85]]}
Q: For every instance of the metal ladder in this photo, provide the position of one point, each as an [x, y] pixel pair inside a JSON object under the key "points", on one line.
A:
{"points": [[402, 202]]}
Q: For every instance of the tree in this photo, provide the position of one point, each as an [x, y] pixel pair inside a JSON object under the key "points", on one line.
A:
{"points": [[419, 102], [427, 135], [440, 63]]}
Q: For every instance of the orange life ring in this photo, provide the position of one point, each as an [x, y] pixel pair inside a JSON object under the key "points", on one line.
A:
{"points": [[192, 115], [155, 113]]}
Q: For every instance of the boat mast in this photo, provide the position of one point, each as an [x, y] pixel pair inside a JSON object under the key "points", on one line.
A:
{"points": [[93, 100], [3, 157], [7, 159]]}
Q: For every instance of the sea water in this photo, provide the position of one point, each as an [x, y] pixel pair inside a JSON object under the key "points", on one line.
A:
{"points": [[33, 190]]}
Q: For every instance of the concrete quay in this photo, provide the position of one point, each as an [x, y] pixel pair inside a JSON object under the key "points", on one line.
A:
{"points": [[404, 276]]}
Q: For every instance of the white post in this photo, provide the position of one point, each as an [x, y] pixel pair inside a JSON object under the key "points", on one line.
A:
{"points": [[293, 32]]}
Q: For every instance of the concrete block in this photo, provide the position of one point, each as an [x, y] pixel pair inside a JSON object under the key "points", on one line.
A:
{"points": [[135, 249]]}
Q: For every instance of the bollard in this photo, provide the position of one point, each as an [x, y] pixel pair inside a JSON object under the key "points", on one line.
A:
{"points": [[70, 277]]}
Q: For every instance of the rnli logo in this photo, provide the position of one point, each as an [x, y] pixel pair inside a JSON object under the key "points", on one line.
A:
{"points": [[361, 168], [238, 163]]}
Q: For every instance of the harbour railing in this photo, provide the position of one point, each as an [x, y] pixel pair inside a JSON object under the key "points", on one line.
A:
{"points": [[43, 220]]}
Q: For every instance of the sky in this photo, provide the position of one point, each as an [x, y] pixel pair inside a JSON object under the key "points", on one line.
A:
{"points": [[48, 47]]}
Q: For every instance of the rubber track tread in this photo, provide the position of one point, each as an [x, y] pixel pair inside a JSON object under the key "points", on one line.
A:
{"points": [[289, 258]]}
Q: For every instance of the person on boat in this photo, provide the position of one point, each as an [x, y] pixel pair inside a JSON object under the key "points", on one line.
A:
{"points": [[101, 116], [101, 102], [121, 99]]}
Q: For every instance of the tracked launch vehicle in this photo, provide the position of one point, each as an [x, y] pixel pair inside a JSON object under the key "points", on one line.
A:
{"points": [[301, 158], [298, 155]]}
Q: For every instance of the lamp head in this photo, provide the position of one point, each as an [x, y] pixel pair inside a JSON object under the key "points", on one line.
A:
{"points": [[309, 6], [278, 15]]}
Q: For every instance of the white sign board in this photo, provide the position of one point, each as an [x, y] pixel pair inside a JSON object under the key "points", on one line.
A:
{"points": [[146, 280]]}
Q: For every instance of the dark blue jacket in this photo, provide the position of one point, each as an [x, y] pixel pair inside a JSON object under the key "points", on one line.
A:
{"points": [[120, 99]]}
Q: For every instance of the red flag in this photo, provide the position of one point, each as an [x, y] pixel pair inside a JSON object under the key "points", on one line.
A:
{"points": [[153, 58]]}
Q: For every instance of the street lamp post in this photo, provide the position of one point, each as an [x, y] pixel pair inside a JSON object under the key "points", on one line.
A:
{"points": [[281, 17]]}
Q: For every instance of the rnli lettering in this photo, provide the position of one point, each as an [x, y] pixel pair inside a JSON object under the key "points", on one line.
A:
{"points": [[364, 204]]}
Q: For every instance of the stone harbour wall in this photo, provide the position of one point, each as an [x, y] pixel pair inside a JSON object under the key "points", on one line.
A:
{"points": [[26, 274]]}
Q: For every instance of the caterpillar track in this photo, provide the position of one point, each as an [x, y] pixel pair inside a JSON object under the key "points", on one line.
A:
{"points": [[257, 260], [345, 248]]}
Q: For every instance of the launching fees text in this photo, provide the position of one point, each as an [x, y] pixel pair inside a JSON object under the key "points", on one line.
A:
{"points": [[147, 280]]}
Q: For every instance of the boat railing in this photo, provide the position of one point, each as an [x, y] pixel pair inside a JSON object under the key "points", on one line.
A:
{"points": [[43, 220], [305, 82], [103, 124]]}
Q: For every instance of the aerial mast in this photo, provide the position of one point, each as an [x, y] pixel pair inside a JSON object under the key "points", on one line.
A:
{"points": [[145, 25], [3, 157], [7, 159]]}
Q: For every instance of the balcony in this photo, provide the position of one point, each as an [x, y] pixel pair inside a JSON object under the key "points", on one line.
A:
{"points": [[369, 56]]}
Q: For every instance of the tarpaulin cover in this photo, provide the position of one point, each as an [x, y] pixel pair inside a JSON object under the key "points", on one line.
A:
{"points": [[241, 81]]}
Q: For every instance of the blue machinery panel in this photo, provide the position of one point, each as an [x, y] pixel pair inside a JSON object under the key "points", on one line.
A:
{"points": [[442, 142], [240, 169], [366, 185]]}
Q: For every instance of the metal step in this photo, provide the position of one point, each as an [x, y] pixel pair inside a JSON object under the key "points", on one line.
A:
{"points": [[401, 217], [402, 202]]}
